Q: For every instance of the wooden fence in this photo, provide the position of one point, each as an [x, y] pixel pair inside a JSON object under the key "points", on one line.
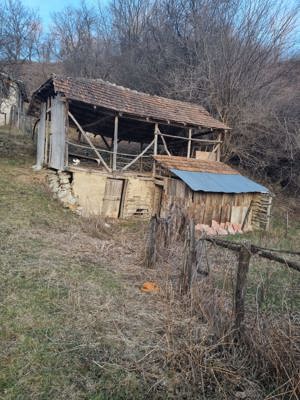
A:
{"points": [[164, 231]]}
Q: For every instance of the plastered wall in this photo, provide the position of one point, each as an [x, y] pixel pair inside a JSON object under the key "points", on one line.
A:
{"points": [[89, 188], [137, 199]]}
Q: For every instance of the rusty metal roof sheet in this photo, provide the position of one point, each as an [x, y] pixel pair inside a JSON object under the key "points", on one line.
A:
{"points": [[194, 165], [130, 102]]}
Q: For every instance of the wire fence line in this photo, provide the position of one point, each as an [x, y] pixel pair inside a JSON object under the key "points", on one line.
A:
{"points": [[195, 261]]}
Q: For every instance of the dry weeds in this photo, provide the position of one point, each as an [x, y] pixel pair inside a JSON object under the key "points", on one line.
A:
{"points": [[75, 325]]}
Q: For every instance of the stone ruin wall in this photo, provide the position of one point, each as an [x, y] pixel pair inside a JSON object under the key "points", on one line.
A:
{"points": [[7, 104], [60, 184]]}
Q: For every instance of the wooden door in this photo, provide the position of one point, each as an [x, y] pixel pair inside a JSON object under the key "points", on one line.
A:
{"points": [[112, 197]]}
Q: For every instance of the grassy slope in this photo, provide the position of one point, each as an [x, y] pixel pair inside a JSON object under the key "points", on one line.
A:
{"points": [[279, 285], [53, 292], [73, 323]]}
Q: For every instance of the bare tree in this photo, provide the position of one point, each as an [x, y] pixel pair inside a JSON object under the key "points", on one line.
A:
{"points": [[80, 41], [20, 30], [229, 55]]}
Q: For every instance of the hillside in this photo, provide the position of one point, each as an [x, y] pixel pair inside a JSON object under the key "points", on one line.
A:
{"points": [[75, 324], [33, 74]]}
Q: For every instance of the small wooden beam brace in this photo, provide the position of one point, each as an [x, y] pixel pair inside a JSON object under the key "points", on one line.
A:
{"points": [[89, 141], [115, 147], [216, 148], [164, 142], [105, 142], [138, 156]]}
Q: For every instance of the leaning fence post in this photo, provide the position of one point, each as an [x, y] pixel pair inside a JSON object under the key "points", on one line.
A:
{"points": [[150, 252], [240, 288], [188, 259]]}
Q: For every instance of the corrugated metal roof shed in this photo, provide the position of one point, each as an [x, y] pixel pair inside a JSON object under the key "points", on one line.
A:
{"points": [[219, 183]]}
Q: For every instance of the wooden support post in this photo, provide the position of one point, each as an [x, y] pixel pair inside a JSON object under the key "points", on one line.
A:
{"points": [[115, 149], [40, 154], [189, 258], [58, 133], [138, 156], [47, 141], [66, 135], [219, 147], [150, 253], [155, 146], [141, 159], [189, 144], [240, 288], [155, 139], [105, 142]]}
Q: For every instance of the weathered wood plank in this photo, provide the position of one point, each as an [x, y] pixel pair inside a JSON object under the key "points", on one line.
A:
{"points": [[189, 259], [115, 147], [58, 133], [189, 144], [240, 288], [40, 153]]}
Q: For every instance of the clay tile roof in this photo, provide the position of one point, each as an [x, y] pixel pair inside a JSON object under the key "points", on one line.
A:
{"points": [[110, 96], [194, 165]]}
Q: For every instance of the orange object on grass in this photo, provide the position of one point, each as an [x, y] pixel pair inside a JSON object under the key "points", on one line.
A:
{"points": [[149, 287]]}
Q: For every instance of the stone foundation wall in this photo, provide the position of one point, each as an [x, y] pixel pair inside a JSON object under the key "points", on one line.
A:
{"points": [[84, 192], [60, 185]]}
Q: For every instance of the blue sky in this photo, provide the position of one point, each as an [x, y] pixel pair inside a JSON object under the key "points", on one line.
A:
{"points": [[47, 7]]}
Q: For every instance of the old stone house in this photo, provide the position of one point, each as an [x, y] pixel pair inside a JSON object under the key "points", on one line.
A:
{"points": [[13, 97]]}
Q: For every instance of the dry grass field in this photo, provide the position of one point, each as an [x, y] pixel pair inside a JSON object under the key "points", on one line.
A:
{"points": [[74, 323]]}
